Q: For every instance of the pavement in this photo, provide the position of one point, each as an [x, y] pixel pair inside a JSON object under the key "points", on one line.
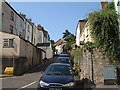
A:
{"points": [[3, 76], [34, 68], [29, 80]]}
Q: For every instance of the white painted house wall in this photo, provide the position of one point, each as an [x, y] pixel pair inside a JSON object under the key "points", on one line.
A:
{"points": [[59, 48], [19, 25], [78, 35], [40, 36], [116, 1], [24, 29], [28, 30], [117, 7]]}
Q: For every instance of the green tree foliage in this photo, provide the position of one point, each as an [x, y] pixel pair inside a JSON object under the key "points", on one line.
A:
{"points": [[71, 38], [67, 47], [66, 34], [52, 41], [105, 30]]}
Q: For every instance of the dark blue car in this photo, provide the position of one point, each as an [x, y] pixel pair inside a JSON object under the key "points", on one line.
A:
{"points": [[57, 77], [65, 60]]}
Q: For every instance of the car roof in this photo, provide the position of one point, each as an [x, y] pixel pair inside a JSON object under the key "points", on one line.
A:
{"points": [[63, 57], [59, 64]]}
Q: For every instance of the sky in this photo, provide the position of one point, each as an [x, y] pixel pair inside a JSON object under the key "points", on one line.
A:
{"points": [[56, 17]]}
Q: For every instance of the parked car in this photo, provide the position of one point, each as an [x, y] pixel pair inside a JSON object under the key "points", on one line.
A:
{"points": [[65, 60], [64, 55], [57, 77]]}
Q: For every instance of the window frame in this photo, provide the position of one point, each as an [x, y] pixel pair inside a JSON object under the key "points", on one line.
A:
{"points": [[12, 16], [11, 29], [8, 42]]}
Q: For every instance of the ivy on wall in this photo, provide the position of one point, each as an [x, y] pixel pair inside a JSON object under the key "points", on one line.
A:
{"points": [[105, 31]]}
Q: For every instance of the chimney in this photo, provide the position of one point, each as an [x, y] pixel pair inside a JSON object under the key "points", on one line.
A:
{"points": [[104, 3], [39, 27], [22, 15], [30, 19], [89, 14]]}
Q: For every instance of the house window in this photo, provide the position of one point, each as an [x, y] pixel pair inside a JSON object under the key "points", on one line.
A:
{"points": [[21, 23], [28, 28], [8, 43], [25, 25], [28, 38], [12, 16], [11, 29]]}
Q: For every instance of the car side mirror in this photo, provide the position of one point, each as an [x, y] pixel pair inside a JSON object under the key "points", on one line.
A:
{"points": [[42, 72]]}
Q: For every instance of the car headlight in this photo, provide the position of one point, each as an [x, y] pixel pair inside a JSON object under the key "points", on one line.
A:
{"points": [[43, 83], [69, 84]]}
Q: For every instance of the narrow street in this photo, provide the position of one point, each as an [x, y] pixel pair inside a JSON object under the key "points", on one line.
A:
{"points": [[28, 80]]}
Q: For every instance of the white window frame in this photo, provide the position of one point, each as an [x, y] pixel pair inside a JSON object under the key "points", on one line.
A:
{"points": [[7, 41]]}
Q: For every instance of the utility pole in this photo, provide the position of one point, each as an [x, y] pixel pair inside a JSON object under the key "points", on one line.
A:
{"points": [[88, 64]]}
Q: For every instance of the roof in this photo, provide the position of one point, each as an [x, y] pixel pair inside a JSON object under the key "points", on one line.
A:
{"points": [[81, 24], [60, 41]]}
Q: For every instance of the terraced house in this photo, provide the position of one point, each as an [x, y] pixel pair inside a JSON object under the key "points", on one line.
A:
{"points": [[83, 33], [19, 39]]}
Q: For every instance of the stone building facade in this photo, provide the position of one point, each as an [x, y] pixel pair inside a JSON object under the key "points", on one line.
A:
{"points": [[26, 55], [17, 34]]}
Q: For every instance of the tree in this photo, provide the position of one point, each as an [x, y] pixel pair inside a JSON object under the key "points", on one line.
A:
{"points": [[66, 34], [67, 47], [52, 41], [71, 38]]}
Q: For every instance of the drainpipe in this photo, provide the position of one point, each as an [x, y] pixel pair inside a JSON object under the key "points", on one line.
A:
{"points": [[88, 65]]}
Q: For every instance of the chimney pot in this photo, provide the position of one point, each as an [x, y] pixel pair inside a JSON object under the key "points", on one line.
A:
{"points": [[39, 27], [104, 3]]}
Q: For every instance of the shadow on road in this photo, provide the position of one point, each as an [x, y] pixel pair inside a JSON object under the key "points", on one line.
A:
{"points": [[84, 85], [43, 66]]}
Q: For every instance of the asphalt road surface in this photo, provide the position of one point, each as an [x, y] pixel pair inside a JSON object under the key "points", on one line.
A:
{"points": [[29, 80]]}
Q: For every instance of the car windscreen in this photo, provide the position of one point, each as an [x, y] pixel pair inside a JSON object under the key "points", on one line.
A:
{"points": [[58, 70], [63, 60], [63, 55]]}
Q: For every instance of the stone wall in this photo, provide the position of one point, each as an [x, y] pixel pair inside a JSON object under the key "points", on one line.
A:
{"points": [[96, 66]]}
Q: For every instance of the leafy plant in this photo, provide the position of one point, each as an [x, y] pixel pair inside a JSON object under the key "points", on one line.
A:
{"points": [[67, 47], [105, 30]]}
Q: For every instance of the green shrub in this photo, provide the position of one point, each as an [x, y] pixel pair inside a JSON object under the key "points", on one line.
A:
{"points": [[105, 30]]}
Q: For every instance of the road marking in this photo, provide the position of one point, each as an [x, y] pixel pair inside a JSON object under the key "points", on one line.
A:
{"points": [[27, 85]]}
